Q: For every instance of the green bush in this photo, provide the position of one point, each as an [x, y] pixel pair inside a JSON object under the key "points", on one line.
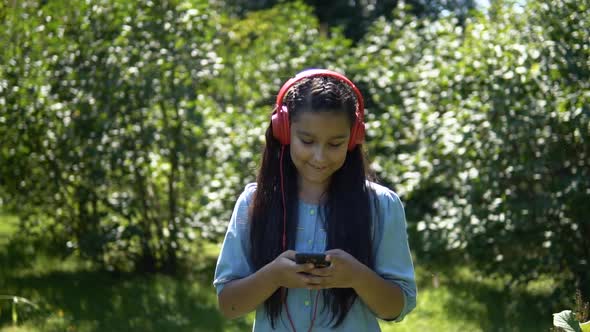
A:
{"points": [[484, 129], [104, 124], [130, 130]]}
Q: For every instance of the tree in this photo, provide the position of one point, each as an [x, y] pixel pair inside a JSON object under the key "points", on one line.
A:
{"points": [[484, 131], [355, 17], [103, 130]]}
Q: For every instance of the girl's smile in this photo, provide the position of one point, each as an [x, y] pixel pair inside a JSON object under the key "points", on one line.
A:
{"points": [[318, 168]]}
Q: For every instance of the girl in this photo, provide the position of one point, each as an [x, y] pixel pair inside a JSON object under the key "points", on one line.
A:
{"points": [[313, 194]]}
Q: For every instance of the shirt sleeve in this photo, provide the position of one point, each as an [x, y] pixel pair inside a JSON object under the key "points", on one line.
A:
{"points": [[234, 259], [393, 260]]}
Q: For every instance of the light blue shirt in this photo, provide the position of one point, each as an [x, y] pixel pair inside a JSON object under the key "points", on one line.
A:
{"points": [[393, 262]]}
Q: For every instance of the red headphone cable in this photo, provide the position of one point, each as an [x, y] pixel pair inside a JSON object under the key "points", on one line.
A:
{"points": [[315, 309], [283, 292]]}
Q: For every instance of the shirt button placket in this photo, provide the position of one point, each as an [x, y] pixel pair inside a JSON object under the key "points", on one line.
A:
{"points": [[310, 241]]}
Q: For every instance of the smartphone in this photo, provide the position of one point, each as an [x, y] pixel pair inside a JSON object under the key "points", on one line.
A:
{"points": [[317, 259]]}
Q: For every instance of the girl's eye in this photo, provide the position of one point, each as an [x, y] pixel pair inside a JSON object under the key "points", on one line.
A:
{"points": [[332, 145]]}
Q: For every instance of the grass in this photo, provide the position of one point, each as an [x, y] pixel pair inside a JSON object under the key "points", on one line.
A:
{"points": [[465, 302], [91, 301], [74, 296]]}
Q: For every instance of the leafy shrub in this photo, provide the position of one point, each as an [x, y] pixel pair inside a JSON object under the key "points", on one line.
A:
{"points": [[484, 130]]}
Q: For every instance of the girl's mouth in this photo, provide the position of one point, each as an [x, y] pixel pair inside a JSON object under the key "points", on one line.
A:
{"points": [[318, 168]]}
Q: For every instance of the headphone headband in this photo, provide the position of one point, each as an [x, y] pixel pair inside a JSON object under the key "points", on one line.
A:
{"points": [[280, 116], [322, 72]]}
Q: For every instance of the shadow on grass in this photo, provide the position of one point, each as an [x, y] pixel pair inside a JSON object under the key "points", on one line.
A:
{"points": [[495, 307], [101, 301]]}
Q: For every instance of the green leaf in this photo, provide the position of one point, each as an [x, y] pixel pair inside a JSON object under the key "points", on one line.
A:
{"points": [[567, 321]]}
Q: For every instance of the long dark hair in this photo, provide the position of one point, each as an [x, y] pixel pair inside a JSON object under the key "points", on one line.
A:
{"points": [[347, 208]]}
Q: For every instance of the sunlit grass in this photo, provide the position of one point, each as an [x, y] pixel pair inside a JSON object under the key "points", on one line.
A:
{"points": [[75, 296], [464, 301], [431, 314]]}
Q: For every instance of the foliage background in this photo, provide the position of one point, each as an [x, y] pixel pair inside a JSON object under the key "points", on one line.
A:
{"points": [[127, 130]]}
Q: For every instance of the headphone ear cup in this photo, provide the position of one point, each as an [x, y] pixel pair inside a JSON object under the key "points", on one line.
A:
{"points": [[357, 134], [360, 137], [280, 126]]}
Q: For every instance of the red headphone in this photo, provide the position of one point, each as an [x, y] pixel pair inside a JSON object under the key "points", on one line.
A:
{"points": [[280, 116]]}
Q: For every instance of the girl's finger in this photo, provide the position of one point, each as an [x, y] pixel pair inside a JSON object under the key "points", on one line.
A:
{"points": [[304, 279], [317, 281], [315, 287], [290, 254], [331, 258], [304, 267], [322, 272]]}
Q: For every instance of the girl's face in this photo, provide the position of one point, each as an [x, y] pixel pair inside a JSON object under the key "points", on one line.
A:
{"points": [[319, 143]]}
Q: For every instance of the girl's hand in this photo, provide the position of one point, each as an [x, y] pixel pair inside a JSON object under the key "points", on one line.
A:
{"points": [[343, 271], [289, 274]]}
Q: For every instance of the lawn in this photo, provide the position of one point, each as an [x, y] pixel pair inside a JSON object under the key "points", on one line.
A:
{"points": [[74, 296]]}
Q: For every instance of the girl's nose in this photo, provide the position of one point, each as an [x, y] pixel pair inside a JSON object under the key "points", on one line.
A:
{"points": [[319, 153]]}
